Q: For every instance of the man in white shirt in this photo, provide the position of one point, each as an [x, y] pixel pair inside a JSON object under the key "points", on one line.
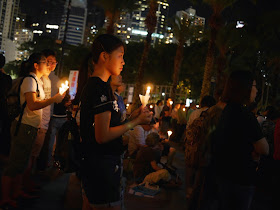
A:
{"points": [[137, 138]]}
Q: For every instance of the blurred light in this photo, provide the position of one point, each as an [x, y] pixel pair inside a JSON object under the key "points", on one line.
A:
{"points": [[240, 24], [184, 109], [37, 32], [169, 133], [151, 106], [52, 26], [163, 94]]}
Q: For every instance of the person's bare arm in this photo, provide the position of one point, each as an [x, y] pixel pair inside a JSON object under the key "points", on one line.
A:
{"points": [[104, 133], [33, 104]]}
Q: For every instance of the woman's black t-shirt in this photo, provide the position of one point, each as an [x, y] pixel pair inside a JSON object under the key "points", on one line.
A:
{"points": [[233, 140], [97, 97]]}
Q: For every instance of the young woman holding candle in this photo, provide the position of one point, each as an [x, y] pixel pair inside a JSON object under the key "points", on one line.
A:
{"points": [[32, 92], [101, 129]]}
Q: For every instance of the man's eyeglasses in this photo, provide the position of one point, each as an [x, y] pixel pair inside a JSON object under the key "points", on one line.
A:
{"points": [[44, 62], [52, 63]]}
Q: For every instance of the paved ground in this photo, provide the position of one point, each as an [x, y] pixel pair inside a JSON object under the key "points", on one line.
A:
{"points": [[62, 191]]}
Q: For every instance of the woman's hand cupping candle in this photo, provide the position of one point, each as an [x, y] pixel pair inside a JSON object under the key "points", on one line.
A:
{"points": [[63, 87]]}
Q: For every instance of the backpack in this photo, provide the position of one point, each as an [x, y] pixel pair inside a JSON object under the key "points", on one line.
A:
{"points": [[13, 100], [67, 152], [196, 134]]}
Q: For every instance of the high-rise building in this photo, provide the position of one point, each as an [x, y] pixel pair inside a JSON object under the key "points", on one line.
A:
{"points": [[76, 23], [22, 34], [8, 13], [132, 27], [188, 14]]}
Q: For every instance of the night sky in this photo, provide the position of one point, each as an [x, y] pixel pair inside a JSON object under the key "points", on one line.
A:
{"points": [[242, 9]]}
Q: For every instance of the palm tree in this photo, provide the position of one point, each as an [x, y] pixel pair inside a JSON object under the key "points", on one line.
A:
{"points": [[150, 21], [113, 10], [183, 30], [228, 38], [215, 24]]}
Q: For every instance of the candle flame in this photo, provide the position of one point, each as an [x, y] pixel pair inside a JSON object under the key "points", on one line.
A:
{"points": [[169, 133], [63, 87]]}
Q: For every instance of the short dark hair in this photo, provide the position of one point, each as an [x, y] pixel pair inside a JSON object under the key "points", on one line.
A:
{"points": [[2, 60], [48, 52], [207, 101], [238, 87], [105, 43], [152, 139]]}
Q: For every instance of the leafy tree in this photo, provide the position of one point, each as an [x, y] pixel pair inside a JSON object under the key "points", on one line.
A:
{"points": [[40, 43], [12, 68]]}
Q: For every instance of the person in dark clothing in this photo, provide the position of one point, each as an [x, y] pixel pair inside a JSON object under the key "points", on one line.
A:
{"points": [[101, 127], [5, 86], [238, 143], [59, 117]]}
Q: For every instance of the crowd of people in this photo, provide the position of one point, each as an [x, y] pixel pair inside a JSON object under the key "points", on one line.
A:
{"points": [[229, 147]]}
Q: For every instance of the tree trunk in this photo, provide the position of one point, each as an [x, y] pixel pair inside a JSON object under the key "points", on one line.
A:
{"points": [[262, 94], [113, 18], [220, 77], [110, 27], [177, 67], [206, 84], [151, 21], [267, 95], [139, 82], [215, 23], [61, 60]]}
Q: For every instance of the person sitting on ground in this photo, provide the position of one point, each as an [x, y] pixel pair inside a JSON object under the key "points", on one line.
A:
{"points": [[137, 138], [166, 150], [145, 167]]}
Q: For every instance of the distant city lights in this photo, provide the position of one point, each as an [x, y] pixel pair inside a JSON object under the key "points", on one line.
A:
{"points": [[52, 26]]}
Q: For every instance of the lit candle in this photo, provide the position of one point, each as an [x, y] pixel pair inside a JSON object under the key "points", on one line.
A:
{"points": [[169, 134], [148, 91], [184, 109], [171, 102], [63, 87]]}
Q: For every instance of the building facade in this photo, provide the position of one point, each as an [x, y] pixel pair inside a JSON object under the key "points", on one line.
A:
{"points": [[198, 21], [132, 27], [22, 35], [76, 24], [8, 13]]}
